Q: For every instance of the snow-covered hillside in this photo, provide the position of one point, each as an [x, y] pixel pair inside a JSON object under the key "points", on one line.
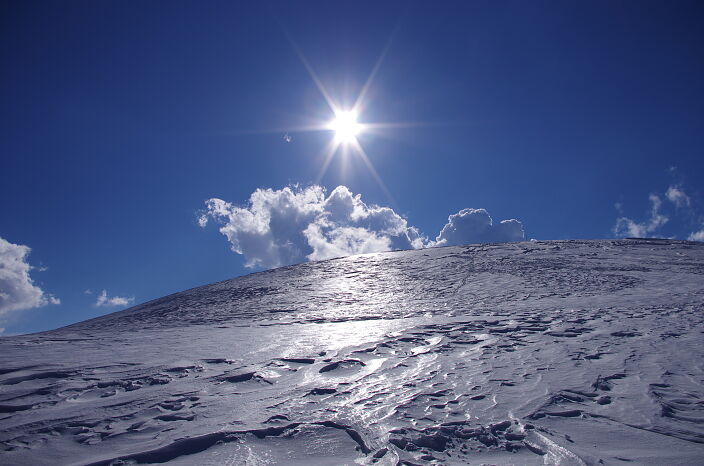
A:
{"points": [[569, 352]]}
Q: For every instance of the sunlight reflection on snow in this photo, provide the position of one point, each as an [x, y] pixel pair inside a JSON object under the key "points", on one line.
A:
{"points": [[337, 335]]}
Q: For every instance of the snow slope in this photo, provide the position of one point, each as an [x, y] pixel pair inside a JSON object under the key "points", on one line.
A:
{"points": [[568, 352]]}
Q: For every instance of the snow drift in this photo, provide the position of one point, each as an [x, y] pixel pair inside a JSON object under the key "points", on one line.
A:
{"points": [[569, 352]]}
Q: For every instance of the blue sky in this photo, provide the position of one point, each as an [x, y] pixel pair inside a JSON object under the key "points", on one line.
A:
{"points": [[121, 119]]}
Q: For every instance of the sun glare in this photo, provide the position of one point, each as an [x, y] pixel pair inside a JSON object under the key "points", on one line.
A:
{"points": [[345, 126]]}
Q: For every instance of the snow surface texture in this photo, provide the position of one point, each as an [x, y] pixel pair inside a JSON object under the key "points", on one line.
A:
{"points": [[570, 352]]}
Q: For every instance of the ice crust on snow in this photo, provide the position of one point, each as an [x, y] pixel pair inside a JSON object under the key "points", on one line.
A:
{"points": [[566, 352]]}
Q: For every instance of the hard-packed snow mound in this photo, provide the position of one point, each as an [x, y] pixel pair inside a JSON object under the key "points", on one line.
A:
{"points": [[570, 352]]}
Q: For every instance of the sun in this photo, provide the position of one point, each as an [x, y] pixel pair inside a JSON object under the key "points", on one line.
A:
{"points": [[345, 126]]}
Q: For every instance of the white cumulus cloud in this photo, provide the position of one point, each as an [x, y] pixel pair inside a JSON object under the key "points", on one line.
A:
{"points": [[17, 289], [476, 226], [292, 225], [107, 301]]}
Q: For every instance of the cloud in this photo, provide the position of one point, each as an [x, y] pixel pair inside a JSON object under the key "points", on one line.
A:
{"points": [[677, 196], [293, 224], [697, 235], [674, 207], [476, 226], [17, 289], [106, 301], [628, 227]]}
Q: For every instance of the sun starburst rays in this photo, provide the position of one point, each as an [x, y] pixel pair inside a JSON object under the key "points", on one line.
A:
{"points": [[344, 122]]}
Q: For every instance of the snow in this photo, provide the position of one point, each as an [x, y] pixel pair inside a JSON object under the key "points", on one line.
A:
{"points": [[567, 352]]}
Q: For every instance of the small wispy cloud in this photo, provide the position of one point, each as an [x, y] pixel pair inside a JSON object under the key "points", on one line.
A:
{"points": [[109, 301], [696, 235], [655, 220], [675, 196]]}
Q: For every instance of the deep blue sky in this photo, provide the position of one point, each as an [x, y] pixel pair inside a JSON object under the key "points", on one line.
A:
{"points": [[119, 119]]}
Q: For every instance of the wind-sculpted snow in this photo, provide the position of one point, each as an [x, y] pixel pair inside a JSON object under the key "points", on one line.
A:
{"points": [[574, 352]]}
